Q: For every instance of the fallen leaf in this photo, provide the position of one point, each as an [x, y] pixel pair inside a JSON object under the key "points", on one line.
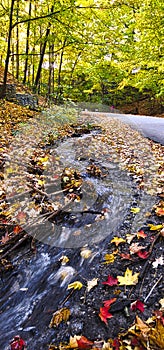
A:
{"points": [[5, 238], [128, 279], [142, 326], [84, 343], [159, 211], [64, 259], [135, 210], [75, 285], [135, 247], [137, 305], [143, 255], [86, 253], [107, 303], [17, 229], [104, 314], [130, 237], [155, 227], [158, 261], [111, 281], [73, 341], [91, 284], [109, 258], [161, 301], [125, 256], [141, 234], [59, 316], [117, 240]]}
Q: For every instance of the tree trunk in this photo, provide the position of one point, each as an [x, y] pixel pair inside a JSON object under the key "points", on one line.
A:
{"points": [[60, 88], [17, 43], [27, 46], [3, 93], [42, 55]]}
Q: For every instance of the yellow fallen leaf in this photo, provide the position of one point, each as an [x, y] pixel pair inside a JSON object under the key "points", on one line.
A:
{"points": [[135, 210], [73, 341], [117, 240], [128, 279], [75, 285], [59, 316], [64, 259], [109, 258], [155, 227], [142, 326], [41, 182]]}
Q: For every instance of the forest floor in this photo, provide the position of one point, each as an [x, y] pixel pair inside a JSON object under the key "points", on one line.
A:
{"points": [[119, 303]]}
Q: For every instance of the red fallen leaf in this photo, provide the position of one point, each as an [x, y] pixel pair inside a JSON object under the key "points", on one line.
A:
{"points": [[137, 305], [111, 281], [141, 234], [125, 256], [84, 343], [107, 303], [17, 229], [116, 344], [143, 255], [104, 314]]}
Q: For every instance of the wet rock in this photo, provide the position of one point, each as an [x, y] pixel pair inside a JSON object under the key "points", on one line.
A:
{"points": [[76, 327]]}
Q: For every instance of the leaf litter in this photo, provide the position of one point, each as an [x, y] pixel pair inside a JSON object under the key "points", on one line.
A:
{"points": [[136, 273]]}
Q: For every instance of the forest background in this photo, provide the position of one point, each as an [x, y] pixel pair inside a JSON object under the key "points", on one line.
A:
{"points": [[101, 51]]}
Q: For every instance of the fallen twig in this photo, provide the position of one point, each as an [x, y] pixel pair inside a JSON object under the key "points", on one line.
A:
{"points": [[152, 289]]}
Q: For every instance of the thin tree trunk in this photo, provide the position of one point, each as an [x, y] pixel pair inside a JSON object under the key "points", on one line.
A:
{"points": [[8, 50], [42, 55], [59, 88], [17, 43], [27, 46]]}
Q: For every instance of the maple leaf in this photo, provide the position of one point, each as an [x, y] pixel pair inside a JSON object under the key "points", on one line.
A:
{"points": [[109, 258], [128, 279], [5, 238], [17, 229], [117, 240], [141, 234], [92, 283], [111, 281], [137, 305], [75, 285], [158, 261], [59, 316], [107, 303], [143, 255], [84, 343], [135, 210], [135, 247], [142, 326], [104, 314]]}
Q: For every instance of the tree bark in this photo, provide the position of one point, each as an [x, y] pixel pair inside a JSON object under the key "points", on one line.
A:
{"points": [[3, 93], [42, 55], [27, 46]]}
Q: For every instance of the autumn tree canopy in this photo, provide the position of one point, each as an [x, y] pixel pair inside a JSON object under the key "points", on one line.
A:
{"points": [[94, 50]]}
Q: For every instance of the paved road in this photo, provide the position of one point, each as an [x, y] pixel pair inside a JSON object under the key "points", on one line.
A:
{"points": [[151, 127]]}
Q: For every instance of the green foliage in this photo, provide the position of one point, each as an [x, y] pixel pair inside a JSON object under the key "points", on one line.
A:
{"points": [[95, 49]]}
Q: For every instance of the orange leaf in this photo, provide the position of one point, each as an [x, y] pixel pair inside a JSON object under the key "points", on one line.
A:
{"points": [[84, 343]]}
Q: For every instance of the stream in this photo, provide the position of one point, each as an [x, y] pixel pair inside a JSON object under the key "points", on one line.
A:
{"points": [[37, 286]]}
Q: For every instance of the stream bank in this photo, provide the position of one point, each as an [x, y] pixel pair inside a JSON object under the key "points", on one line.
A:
{"points": [[119, 171]]}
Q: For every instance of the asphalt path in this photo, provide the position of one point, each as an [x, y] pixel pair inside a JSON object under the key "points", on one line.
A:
{"points": [[150, 127]]}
